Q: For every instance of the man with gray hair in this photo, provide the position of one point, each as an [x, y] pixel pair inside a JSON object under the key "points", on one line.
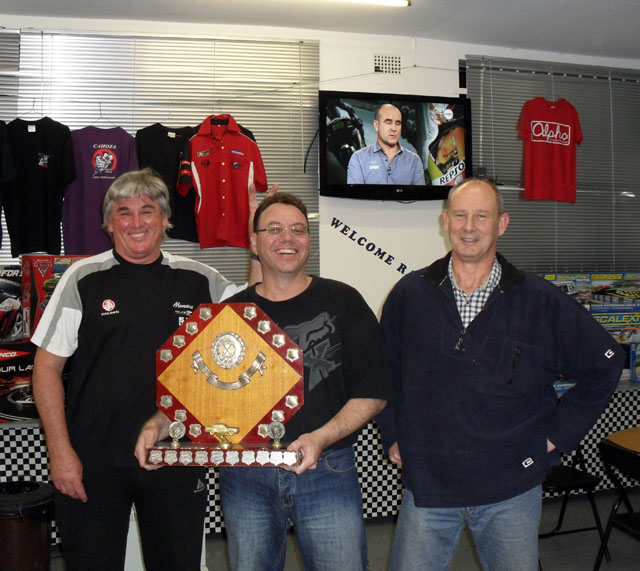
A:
{"points": [[477, 345], [111, 312]]}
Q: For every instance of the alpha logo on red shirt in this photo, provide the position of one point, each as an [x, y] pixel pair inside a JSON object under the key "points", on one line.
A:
{"points": [[550, 132]]}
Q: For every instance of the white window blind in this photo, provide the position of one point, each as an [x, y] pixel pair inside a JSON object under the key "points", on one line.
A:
{"points": [[9, 50], [599, 231], [268, 86]]}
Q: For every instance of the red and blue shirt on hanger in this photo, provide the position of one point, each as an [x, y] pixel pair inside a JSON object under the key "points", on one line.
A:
{"points": [[220, 164]]}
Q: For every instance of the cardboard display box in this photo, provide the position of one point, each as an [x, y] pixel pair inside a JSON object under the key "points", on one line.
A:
{"points": [[40, 274], [16, 398], [599, 288], [10, 303], [634, 362], [623, 322], [614, 301]]}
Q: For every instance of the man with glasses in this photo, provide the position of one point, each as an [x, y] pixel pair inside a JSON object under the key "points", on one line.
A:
{"points": [[346, 382]]}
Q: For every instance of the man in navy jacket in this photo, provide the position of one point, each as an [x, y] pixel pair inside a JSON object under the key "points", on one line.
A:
{"points": [[477, 345]]}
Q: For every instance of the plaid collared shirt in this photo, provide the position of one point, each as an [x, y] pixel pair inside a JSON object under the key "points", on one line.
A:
{"points": [[470, 305]]}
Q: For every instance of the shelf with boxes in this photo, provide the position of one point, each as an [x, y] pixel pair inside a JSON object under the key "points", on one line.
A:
{"points": [[613, 299], [24, 293]]}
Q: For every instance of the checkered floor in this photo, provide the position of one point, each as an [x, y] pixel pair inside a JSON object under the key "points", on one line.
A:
{"points": [[23, 457]]}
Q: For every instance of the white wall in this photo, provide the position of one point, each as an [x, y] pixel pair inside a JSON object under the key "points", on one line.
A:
{"points": [[411, 233]]}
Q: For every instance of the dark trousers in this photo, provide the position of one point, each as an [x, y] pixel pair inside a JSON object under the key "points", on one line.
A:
{"points": [[170, 506]]}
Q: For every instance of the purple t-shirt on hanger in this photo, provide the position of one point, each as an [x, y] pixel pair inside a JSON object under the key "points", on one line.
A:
{"points": [[101, 156]]}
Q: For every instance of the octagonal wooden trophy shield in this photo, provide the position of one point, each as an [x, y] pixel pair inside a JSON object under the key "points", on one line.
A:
{"points": [[229, 379]]}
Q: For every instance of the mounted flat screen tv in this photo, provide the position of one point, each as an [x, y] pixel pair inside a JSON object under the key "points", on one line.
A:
{"points": [[438, 129]]}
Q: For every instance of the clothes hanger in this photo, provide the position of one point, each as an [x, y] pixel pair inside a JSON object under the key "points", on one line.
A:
{"points": [[102, 121], [215, 117], [168, 119], [553, 99], [32, 111], [167, 122]]}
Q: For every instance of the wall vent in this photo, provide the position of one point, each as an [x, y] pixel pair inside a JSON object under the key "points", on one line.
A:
{"points": [[387, 64]]}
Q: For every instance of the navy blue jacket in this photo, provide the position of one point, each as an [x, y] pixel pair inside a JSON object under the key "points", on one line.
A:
{"points": [[477, 406]]}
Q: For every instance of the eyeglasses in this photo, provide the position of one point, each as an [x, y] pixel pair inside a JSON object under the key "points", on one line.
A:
{"points": [[294, 230]]}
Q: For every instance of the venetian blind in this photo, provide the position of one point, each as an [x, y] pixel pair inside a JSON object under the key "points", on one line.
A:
{"points": [[268, 86], [598, 232], [9, 65], [9, 50]]}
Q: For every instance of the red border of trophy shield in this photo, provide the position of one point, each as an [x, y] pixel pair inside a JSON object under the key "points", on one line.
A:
{"points": [[229, 379]]}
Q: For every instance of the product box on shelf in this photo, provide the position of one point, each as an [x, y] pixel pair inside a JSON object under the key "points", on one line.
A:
{"points": [[615, 288], [613, 298], [40, 274], [16, 398], [591, 288], [623, 322], [577, 285], [10, 303]]}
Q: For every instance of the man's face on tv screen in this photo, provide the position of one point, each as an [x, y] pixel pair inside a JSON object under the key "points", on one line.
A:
{"points": [[388, 125]]}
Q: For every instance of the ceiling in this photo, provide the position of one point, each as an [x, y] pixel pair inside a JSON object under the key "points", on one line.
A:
{"points": [[605, 28]]}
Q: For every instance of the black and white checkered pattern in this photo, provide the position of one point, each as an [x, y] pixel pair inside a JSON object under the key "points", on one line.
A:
{"points": [[623, 411], [380, 480], [23, 456], [213, 521]]}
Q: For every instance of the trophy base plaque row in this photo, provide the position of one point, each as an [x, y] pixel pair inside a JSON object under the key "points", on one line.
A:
{"points": [[245, 455]]}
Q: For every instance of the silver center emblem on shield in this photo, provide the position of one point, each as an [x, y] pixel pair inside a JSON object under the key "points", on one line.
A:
{"points": [[227, 350]]}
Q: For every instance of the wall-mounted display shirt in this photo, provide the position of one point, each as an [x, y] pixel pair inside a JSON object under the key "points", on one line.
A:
{"points": [[160, 148], [43, 155], [550, 130], [101, 156], [220, 163], [7, 168]]}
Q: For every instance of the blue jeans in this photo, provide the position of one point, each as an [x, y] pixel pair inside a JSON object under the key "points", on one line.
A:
{"points": [[324, 505], [505, 534]]}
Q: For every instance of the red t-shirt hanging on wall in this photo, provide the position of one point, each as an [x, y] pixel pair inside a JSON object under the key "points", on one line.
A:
{"points": [[551, 131]]}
